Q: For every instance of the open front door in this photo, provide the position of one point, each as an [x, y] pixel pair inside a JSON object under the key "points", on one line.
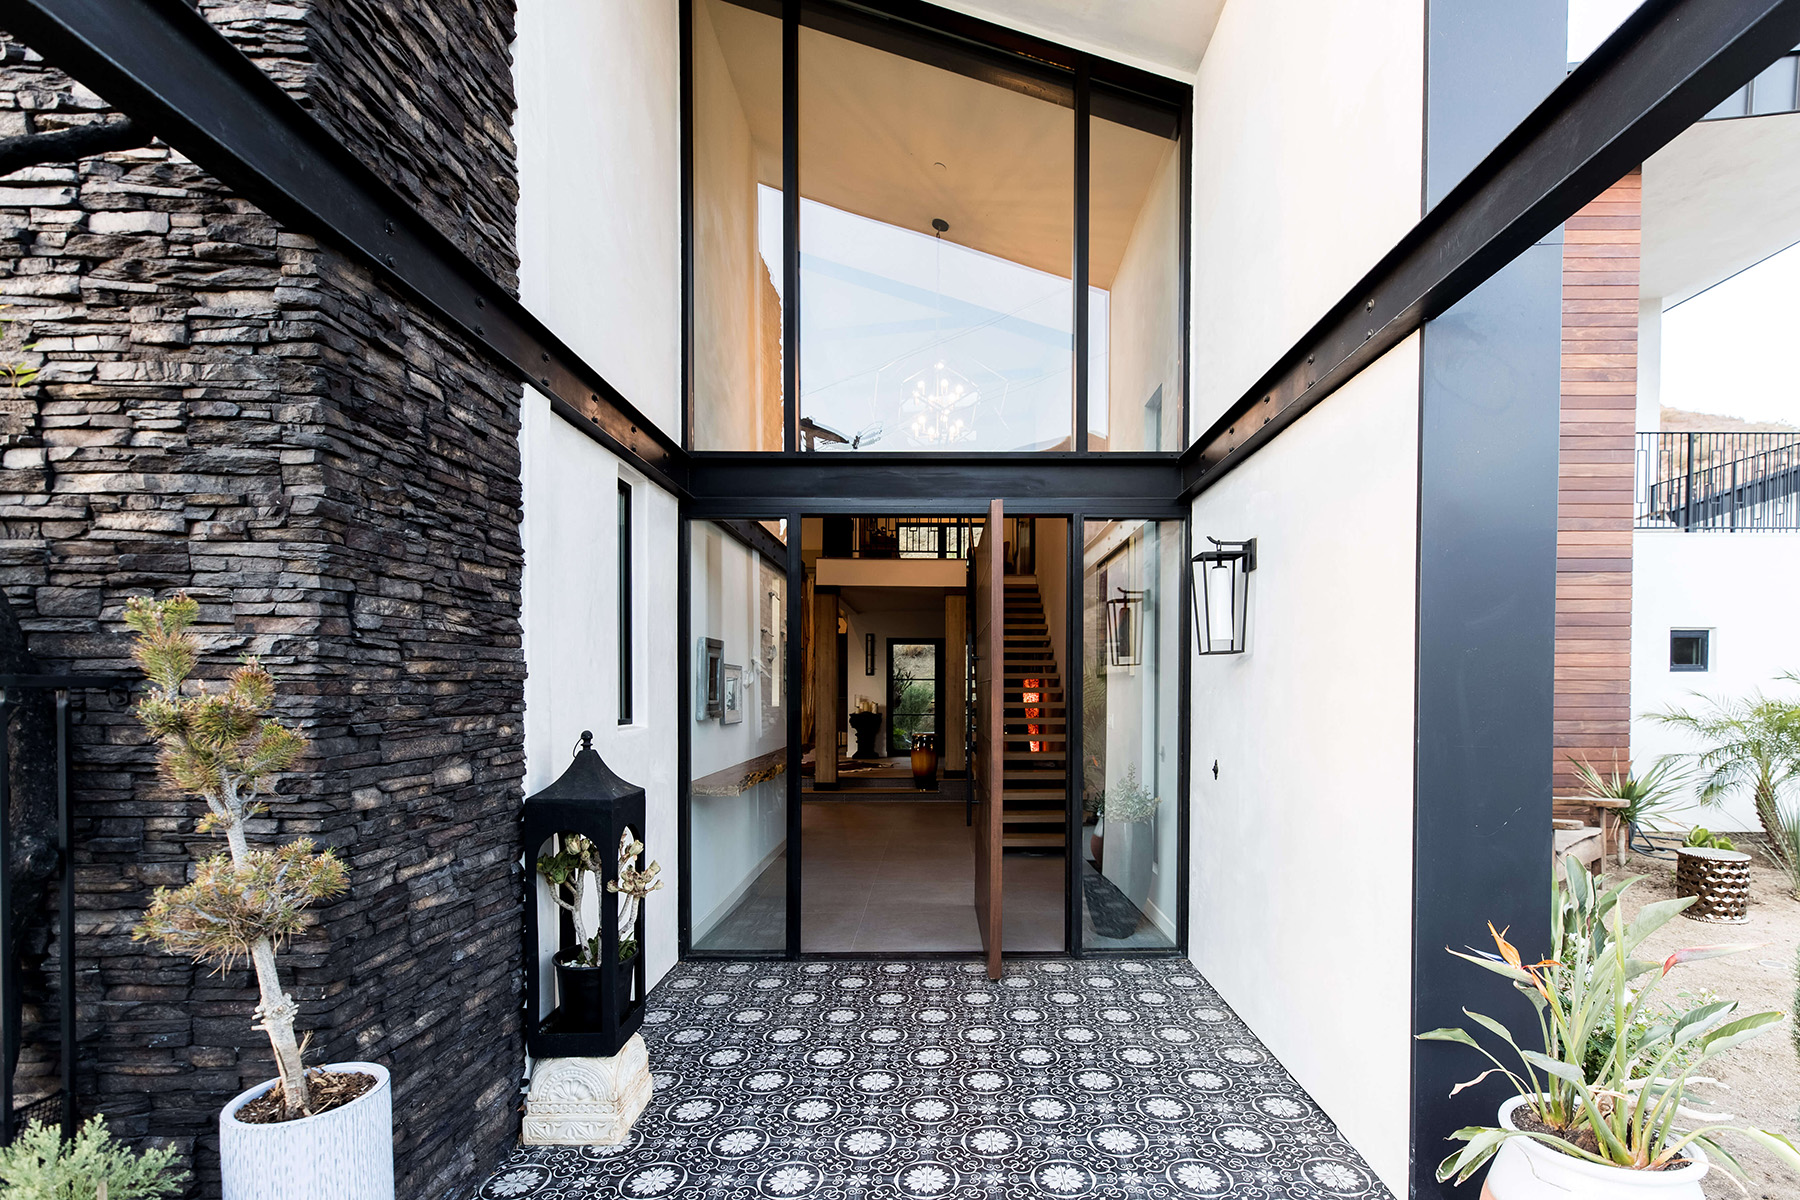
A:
{"points": [[987, 765]]}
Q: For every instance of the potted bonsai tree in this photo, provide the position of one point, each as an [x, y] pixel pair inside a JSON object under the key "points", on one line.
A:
{"points": [[1604, 1110], [323, 1134], [572, 869]]}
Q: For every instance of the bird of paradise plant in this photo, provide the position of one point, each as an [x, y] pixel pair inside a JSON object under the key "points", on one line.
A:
{"points": [[1593, 988]]}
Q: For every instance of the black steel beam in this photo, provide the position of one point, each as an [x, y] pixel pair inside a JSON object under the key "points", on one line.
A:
{"points": [[1669, 64], [161, 62], [768, 485]]}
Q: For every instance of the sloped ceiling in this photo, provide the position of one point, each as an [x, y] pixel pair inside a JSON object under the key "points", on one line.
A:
{"points": [[1718, 199], [1168, 36]]}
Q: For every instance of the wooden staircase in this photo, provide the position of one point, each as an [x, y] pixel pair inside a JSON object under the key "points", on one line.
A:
{"points": [[1035, 728]]}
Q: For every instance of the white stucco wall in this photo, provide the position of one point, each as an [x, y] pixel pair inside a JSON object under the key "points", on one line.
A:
{"points": [[1301, 886], [598, 130], [1308, 118], [570, 606], [1741, 586]]}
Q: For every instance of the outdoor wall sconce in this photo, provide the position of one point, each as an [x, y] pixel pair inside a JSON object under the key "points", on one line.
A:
{"points": [[1125, 629], [1222, 595], [589, 800]]}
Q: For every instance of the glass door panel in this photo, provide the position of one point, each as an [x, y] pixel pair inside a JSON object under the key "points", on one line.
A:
{"points": [[1130, 722], [739, 745]]}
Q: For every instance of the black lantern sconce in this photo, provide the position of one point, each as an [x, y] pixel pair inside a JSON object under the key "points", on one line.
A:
{"points": [[1125, 629], [588, 1021], [868, 654], [1222, 595]]}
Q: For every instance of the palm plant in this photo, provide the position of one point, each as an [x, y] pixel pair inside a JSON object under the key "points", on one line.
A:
{"points": [[221, 746], [1752, 744], [1645, 796], [1593, 991]]}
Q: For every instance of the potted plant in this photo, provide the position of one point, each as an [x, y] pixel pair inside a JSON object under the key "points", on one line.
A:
{"points": [[571, 870], [1124, 846], [320, 1134], [1751, 744], [1604, 1110], [1638, 798]]}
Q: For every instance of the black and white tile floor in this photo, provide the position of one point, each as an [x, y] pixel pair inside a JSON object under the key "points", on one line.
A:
{"points": [[914, 1080]]}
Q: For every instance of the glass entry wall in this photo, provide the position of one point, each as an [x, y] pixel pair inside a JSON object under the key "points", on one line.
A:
{"points": [[936, 252], [1134, 275], [738, 744], [1132, 575], [736, 235]]}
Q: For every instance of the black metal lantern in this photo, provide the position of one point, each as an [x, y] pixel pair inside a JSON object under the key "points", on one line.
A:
{"points": [[1222, 595], [590, 801], [1125, 628]]}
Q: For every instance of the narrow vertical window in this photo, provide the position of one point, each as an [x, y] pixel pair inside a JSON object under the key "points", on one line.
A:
{"points": [[625, 603]]}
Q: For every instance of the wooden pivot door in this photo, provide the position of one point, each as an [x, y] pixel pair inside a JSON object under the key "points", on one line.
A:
{"points": [[987, 623]]}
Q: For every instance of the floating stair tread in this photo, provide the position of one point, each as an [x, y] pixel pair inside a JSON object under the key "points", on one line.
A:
{"points": [[1031, 839]]}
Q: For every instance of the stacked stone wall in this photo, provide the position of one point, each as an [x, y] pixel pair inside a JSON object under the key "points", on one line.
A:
{"points": [[226, 407]]}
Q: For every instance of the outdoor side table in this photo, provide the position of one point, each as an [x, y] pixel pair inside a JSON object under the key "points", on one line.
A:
{"points": [[1721, 878]]}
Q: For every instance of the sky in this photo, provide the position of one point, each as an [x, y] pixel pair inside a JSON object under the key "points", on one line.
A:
{"points": [[1725, 351], [1729, 350]]}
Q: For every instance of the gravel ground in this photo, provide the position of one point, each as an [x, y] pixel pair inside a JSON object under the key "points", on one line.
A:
{"points": [[1761, 1080]]}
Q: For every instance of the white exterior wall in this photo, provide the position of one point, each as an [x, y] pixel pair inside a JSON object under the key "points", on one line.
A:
{"points": [[1742, 587], [570, 603], [598, 129], [1308, 150], [1301, 885]]}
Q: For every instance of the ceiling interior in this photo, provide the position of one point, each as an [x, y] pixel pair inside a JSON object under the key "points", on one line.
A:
{"points": [[1720, 198], [899, 141]]}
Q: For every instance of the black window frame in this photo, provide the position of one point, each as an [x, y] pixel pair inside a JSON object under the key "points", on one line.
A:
{"points": [[1092, 86], [627, 602], [1703, 637]]}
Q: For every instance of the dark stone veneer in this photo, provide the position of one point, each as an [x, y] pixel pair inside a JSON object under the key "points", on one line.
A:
{"points": [[229, 408]]}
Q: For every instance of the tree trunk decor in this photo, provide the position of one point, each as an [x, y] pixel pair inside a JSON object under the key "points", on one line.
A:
{"points": [[220, 745]]}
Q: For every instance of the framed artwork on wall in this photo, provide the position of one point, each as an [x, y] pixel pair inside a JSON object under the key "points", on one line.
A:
{"points": [[732, 709]]}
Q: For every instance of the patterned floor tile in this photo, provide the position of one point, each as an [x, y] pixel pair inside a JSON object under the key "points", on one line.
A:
{"points": [[917, 1080]]}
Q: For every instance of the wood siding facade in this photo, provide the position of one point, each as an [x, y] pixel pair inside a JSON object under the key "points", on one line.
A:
{"points": [[1594, 492]]}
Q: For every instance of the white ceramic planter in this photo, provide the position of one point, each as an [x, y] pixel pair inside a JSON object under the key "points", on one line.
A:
{"points": [[344, 1154], [1529, 1170]]}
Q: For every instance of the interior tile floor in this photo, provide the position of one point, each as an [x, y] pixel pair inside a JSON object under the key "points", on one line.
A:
{"points": [[864, 1080], [893, 876]]}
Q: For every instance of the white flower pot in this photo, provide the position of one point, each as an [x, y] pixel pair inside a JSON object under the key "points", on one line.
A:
{"points": [[1525, 1169], [344, 1154]]}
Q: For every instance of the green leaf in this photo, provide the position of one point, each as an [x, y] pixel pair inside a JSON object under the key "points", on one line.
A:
{"points": [[1776, 1144], [1734, 1033], [1551, 1066], [1449, 1035]]}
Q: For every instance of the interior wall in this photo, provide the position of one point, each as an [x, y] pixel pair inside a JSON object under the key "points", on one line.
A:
{"points": [[1301, 847], [734, 837], [598, 133], [1143, 341], [1293, 99], [887, 626], [570, 604]]}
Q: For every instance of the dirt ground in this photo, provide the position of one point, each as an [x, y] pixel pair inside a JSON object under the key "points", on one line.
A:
{"points": [[1761, 1080]]}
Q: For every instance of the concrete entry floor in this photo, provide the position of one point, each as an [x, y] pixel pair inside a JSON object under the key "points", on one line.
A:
{"points": [[863, 1080], [899, 877]]}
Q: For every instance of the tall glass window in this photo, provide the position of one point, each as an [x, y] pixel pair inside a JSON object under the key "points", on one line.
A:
{"points": [[1131, 704], [936, 252], [1134, 276], [738, 619], [737, 231]]}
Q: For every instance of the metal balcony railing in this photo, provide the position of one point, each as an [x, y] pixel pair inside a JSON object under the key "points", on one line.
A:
{"points": [[1721, 482]]}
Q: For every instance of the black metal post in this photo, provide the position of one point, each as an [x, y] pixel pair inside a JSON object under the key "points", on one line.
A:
{"points": [[9, 969], [1687, 525], [1079, 351], [1075, 663], [65, 838]]}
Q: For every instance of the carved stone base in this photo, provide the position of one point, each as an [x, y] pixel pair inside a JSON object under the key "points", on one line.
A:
{"points": [[587, 1101]]}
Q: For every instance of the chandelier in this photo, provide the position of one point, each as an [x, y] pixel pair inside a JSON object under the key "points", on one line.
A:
{"points": [[938, 406], [939, 403]]}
